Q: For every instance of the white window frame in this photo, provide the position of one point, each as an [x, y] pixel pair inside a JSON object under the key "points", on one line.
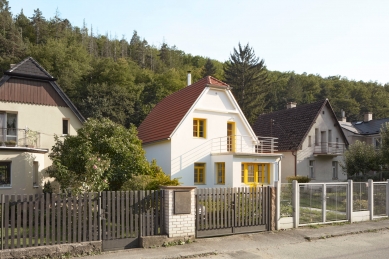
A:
{"points": [[5, 186], [335, 170], [35, 174], [311, 166]]}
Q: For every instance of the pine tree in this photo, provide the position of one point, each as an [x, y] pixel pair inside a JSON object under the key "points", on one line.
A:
{"points": [[247, 75], [209, 69]]}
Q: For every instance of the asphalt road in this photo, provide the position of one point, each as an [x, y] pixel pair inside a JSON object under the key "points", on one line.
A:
{"points": [[366, 245]]}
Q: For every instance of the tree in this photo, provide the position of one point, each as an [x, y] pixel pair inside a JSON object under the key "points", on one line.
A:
{"points": [[103, 156], [209, 69], [385, 143], [361, 158], [247, 75], [110, 101]]}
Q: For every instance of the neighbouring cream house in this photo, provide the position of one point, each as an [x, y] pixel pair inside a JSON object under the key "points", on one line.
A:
{"points": [[200, 135], [33, 108], [310, 138]]}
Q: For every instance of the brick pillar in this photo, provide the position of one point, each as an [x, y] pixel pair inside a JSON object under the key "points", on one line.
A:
{"points": [[180, 211]]}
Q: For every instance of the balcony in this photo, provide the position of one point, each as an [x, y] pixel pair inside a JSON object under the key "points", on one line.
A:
{"points": [[329, 148], [26, 138], [244, 144]]}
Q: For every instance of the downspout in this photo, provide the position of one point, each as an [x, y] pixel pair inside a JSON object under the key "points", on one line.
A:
{"points": [[294, 153]]}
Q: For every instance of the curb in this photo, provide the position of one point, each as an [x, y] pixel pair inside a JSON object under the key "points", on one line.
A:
{"points": [[312, 238]]}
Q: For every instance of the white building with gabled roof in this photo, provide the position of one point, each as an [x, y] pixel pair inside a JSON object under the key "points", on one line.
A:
{"points": [[200, 135]]}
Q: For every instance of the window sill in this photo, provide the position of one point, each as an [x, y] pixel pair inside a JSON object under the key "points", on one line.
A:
{"points": [[64, 135], [35, 186], [5, 187], [199, 184]]}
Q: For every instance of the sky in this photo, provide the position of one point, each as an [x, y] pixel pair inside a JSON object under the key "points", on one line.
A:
{"points": [[349, 38]]}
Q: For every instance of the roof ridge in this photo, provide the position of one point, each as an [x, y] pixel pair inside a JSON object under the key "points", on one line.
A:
{"points": [[297, 107], [219, 81]]}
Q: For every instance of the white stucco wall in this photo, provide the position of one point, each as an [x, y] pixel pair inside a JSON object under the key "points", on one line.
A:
{"points": [[287, 162], [160, 151], [48, 121]]}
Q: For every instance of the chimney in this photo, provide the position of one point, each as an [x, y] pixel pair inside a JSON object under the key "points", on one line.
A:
{"points": [[12, 65], [189, 79], [367, 116], [291, 105], [343, 116]]}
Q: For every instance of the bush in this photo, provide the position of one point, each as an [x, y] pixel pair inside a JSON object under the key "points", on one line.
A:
{"points": [[298, 178]]}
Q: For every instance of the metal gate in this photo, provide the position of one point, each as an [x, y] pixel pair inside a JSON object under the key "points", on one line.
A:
{"points": [[322, 203], [226, 211], [130, 215]]}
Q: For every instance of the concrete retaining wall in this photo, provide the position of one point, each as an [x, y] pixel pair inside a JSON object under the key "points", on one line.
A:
{"points": [[53, 251]]}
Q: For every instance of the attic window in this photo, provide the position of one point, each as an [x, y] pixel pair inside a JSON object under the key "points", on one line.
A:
{"points": [[323, 112], [65, 126]]}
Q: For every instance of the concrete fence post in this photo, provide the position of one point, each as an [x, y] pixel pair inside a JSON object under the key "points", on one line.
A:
{"points": [[324, 205], [295, 203], [180, 211], [278, 204], [387, 198], [371, 198], [350, 200]]}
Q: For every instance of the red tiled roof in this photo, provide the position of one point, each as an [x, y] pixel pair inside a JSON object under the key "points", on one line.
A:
{"points": [[167, 114]]}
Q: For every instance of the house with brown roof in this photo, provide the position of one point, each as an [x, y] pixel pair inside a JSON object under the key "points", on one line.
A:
{"points": [[200, 135], [310, 138], [33, 108]]}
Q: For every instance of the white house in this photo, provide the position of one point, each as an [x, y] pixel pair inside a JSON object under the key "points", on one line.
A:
{"points": [[200, 135], [310, 138], [32, 109]]}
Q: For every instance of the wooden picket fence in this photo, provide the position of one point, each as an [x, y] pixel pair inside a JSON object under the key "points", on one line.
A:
{"points": [[113, 217]]}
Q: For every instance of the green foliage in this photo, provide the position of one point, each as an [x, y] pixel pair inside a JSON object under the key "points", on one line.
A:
{"points": [[247, 75], [299, 178], [385, 144], [361, 158], [102, 156], [47, 188], [209, 69], [153, 181], [88, 64]]}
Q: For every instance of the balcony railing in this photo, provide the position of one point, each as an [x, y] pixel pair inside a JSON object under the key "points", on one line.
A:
{"points": [[10, 137], [244, 144], [330, 148]]}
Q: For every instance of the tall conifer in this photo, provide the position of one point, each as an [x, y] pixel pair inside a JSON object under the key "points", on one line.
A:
{"points": [[247, 75]]}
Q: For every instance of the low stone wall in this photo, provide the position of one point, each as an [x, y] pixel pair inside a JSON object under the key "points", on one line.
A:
{"points": [[153, 241], [53, 251]]}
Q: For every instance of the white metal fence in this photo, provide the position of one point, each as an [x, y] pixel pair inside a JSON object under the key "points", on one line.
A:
{"points": [[321, 203]]}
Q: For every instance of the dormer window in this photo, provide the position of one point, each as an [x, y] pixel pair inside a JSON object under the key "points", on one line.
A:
{"points": [[199, 128]]}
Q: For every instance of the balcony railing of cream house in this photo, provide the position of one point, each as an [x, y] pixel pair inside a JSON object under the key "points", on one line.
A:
{"points": [[12, 137]]}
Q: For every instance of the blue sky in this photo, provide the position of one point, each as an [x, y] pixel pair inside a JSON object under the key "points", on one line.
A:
{"points": [[327, 37]]}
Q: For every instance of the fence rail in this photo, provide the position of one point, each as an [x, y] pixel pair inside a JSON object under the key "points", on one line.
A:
{"points": [[223, 211], [50, 219]]}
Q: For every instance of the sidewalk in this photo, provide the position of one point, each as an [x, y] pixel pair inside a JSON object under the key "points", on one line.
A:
{"points": [[229, 244]]}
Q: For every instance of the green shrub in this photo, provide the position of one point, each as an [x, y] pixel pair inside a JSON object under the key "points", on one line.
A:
{"points": [[298, 178]]}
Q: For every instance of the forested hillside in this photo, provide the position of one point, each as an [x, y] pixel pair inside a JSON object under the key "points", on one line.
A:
{"points": [[122, 79]]}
